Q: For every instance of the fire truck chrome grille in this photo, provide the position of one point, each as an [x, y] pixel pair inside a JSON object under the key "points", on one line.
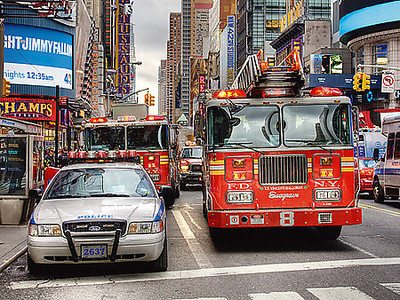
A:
{"points": [[94, 226], [282, 169]]}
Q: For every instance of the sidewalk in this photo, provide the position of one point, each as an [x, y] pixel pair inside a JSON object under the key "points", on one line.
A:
{"points": [[12, 243]]}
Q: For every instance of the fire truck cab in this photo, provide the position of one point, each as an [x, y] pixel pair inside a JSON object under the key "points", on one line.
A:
{"points": [[273, 159], [152, 138]]}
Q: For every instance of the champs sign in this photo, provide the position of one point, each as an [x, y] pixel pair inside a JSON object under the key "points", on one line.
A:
{"points": [[28, 109]]}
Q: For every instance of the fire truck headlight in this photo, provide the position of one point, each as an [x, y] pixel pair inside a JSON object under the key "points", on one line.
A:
{"points": [[327, 195], [184, 168], [155, 177], [240, 197]]}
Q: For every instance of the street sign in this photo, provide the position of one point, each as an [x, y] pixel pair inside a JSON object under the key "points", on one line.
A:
{"points": [[387, 82]]}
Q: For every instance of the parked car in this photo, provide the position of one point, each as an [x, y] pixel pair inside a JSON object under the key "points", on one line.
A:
{"points": [[190, 165], [366, 166], [98, 213]]}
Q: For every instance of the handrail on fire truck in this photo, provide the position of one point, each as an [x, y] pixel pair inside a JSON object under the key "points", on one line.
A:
{"points": [[255, 73]]}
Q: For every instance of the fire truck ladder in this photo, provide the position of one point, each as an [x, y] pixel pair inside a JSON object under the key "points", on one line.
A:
{"points": [[256, 75]]}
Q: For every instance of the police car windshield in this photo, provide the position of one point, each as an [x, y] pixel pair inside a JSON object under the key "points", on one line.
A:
{"points": [[100, 182], [147, 137]]}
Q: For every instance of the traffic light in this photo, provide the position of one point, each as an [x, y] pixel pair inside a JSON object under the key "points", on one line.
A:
{"points": [[6, 88], [366, 82], [151, 103], [147, 98], [357, 82]]}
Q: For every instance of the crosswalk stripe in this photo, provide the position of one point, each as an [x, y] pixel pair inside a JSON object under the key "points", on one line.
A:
{"points": [[210, 272], [276, 296], [339, 293], [395, 287]]}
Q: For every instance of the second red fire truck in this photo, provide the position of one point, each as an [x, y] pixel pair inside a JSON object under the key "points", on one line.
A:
{"points": [[152, 138], [276, 158]]}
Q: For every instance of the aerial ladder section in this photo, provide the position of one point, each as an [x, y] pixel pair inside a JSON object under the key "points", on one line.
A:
{"points": [[255, 74]]}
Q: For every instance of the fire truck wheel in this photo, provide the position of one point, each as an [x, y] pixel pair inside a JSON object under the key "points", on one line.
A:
{"points": [[216, 233], [161, 263], [182, 186], [329, 233], [377, 190], [177, 191]]}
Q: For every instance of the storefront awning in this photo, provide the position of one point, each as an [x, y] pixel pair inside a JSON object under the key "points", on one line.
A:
{"points": [[27, 127]]}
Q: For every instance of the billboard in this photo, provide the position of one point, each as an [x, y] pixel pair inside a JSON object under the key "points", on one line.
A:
{"points": [[32, 109], [124, 36], [231, 49], [38, 56]]}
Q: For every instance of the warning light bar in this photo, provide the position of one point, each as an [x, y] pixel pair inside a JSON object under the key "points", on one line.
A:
{"points": [[154, 118], [284, 92], [230, 94], [98, 120], [103, 156], [325, 91], [126, 119]]}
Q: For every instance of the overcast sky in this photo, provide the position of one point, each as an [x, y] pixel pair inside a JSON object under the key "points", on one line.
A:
{"points": [[151, 21]]}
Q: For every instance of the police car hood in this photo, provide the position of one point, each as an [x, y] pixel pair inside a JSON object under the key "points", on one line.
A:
{"points": [[56, 211]]}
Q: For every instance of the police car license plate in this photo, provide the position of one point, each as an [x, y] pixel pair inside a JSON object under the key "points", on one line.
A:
{"points": [[94, 251]]}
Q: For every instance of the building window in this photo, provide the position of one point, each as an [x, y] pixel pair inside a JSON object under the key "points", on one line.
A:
{"points": [[380, 56]]}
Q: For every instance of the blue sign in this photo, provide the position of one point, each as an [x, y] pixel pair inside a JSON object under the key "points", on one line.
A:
{"points": [[339, 80], [370, 96], [38, 56]]}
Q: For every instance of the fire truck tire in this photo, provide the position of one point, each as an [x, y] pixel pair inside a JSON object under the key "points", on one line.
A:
{"points": [[216, 233], [161, 263], [377, 190], [177, 191], [182, 186], [329, 233], [33, 267]]}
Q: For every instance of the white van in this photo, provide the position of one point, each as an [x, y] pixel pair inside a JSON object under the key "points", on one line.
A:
{"points": [[387, 170]]}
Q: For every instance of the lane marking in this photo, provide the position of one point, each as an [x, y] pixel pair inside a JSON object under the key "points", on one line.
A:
{"points": [[200, 273], [198, 253], [339, 293], [276, 296], [357, 248], [193, 221], [395, 287], [390, 212]]}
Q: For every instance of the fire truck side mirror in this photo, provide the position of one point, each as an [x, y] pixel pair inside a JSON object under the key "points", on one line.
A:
{"points": [[35, 194]]}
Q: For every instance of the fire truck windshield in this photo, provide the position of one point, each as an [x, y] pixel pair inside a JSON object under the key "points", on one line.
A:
{"points": [[105, 138], [147, 137], [316, 124], [260, 126], [256, 126]]}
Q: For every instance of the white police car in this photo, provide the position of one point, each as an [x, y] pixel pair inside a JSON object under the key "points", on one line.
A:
{"points": [[98, 213]]}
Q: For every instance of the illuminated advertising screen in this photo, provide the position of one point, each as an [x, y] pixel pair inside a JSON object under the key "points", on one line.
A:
{"points": [[38, 56]]}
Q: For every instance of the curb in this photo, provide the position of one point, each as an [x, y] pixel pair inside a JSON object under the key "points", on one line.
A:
{"points": [[8, 260]]}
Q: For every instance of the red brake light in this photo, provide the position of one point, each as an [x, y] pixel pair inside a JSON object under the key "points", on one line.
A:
{"points": [[326, 91], [284, 92], [154, 118], [230, 94], [98, 120]]}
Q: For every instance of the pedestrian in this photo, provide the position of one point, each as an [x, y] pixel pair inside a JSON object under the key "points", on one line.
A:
{"points": [[63, 157], [49, 159]]}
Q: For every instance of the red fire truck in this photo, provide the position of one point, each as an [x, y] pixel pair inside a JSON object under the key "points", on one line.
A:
{"points": [[152, 138], [276, 158]]}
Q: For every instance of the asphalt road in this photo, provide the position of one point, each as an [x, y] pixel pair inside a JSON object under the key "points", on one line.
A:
{"points": [[364, 263]]}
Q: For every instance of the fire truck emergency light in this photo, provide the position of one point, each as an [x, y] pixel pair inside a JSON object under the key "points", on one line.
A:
{"points": [[326, 91], [230, 94], [98, 120], [284, 92], [154, 118], [126, 119]]}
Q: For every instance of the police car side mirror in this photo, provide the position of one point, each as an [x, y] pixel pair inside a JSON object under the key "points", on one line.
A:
{"points": [[35, 194]]}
